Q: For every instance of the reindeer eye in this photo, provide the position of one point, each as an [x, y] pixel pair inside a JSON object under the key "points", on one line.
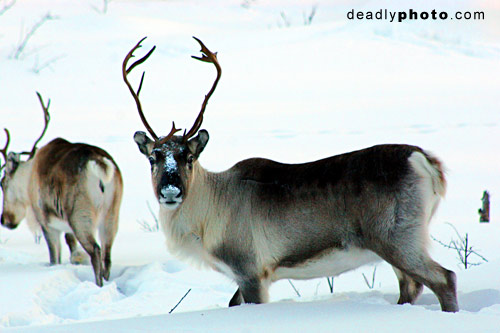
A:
{"points": [[152, 159], [190, 159]]}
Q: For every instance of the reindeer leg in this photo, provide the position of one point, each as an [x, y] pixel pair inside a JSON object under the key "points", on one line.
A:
{"points": [[107, 233], [237, 299], [53, 239], [440, 280], [52, 236], [92, 248], [409, 289], [77, 257], [417, 264], [81, 224], [71, 242], [253, 290]]}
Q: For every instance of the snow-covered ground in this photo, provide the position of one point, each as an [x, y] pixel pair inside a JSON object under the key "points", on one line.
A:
{"points": [[291, 93]]}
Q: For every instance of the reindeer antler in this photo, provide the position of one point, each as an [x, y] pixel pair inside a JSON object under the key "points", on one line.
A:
{"points": [[4, 150], [46, 117], [207, 56], [125, 73]]}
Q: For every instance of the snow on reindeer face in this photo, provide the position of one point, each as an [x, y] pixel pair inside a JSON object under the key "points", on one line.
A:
{"points": [[171, 165], [171, 156]]}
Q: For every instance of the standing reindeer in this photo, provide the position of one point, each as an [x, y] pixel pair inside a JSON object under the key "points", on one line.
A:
{"points": [[262, 221], [65, 187]]}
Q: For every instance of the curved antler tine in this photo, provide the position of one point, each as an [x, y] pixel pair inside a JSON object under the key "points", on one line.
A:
{"points": [[171, 134], [207, 56], [140, 61], [46, 119], [126, 71], [4, 150]]}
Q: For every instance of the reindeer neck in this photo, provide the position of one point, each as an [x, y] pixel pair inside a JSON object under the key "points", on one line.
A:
{"points": [[198, 213], [23, 176]]}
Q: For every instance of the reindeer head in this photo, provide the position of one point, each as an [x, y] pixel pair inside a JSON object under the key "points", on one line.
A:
{"points": [[172, 157], [16, 176]]}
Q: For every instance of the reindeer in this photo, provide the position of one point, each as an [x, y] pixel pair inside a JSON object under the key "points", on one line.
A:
{"points": [[65, 187], [261, 221]]}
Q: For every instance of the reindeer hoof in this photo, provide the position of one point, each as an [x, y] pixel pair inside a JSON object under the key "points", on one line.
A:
{"points": [[79, 258]]}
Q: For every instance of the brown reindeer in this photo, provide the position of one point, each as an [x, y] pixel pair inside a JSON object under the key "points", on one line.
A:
{"points": [[262, 221], [65, 187]]}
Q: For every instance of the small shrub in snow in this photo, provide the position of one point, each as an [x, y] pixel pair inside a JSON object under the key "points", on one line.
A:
{"points": [[308, 18], [6, 6], [293, 286], [176, 305], [372, 284], [20, 48], [146, 225], [330, 283], [463, 248]]}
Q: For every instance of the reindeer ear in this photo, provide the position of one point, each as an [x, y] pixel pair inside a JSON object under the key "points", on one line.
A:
{"points": [[13, 161], [144, 143], [198, 143]]}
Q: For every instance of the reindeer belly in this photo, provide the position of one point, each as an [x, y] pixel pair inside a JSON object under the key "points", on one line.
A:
{"points": [[330, 264], [60, 225]]}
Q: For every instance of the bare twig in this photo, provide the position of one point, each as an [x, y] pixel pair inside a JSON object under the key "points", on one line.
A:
{"points": [[104, 9], [38, 67], [317, 288], [463, 249], [176, 305], [370, 286], [7, 6], [330, 283], [247, 3], [285, 19], [309, 18], [146, 226], [3, 241], [22, 45], [296, 291], [153, 214]]}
